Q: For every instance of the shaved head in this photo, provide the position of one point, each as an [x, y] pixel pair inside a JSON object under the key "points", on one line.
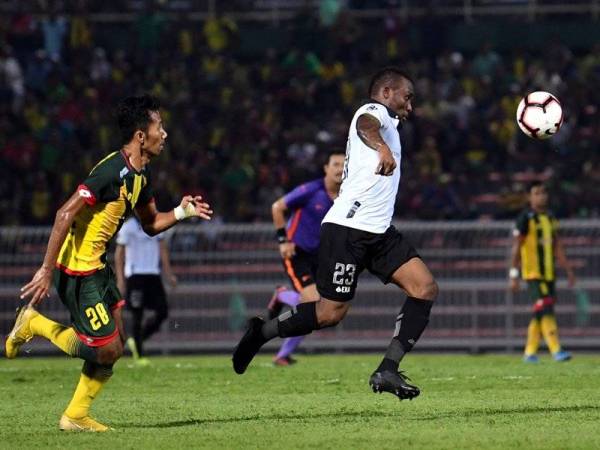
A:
{"points": [[387, 76]]}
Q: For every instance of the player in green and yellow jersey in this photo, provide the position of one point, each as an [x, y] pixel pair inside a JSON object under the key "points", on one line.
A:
{"points": [[536, 246], [75, 259]]}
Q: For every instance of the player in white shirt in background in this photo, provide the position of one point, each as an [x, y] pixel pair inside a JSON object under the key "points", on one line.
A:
{"points": [[357, 234], [139, 260]]}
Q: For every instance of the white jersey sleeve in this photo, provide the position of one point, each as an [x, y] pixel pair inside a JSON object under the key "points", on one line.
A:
{"points": [[142, 252], [366, 199], [124, 235], [374, 109]]}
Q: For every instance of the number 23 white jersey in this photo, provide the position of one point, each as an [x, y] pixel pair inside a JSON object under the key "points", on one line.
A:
{"points": [[366, 200]]}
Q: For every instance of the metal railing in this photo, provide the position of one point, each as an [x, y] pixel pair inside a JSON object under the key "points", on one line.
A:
{"points": [[228, 273]]}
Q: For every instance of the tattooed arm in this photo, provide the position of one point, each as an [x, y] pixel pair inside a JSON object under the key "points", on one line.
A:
{"points": [[368, 127]]}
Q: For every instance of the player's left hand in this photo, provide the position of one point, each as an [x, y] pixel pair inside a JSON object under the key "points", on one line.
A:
{"points": [[193, 206], [39, 286], [172, 279]]}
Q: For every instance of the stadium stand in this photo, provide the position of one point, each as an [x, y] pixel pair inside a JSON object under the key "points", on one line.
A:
{"points": [[255, 90], [288, 87]]}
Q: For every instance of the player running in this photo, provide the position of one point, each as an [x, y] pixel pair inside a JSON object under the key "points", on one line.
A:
{"points": [[75, 259], [535, 245], [357, 234], [299, 241]]}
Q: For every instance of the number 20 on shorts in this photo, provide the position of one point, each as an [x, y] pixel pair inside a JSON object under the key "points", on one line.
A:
{"points": [[98, 316]]}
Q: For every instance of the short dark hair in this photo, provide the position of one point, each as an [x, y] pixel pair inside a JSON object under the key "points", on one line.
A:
{"points": [[133, 113], [337, 151], [532, 184], [384, 76]]}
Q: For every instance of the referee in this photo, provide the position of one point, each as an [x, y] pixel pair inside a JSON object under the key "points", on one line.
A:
{"points": [[139, 259]]}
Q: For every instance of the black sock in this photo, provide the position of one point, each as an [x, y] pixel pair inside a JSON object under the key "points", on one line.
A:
{"points": [[300, 320], [137, 328], [410, 323]]}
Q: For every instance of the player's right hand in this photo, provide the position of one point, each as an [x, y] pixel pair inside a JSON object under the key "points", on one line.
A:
{"points": [[514, 284], [387, 163], [39, 286], [287, 249]]}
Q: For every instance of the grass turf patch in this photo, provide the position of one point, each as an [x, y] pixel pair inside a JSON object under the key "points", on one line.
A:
{"points": [[467, 402]]}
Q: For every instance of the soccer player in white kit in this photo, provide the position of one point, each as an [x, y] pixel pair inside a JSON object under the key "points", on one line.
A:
{"points": [[356, 234], [139, 261]]}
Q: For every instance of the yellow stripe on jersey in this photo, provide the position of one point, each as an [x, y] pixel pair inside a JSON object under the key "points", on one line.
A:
{"points": [[117, 188], [529, 254], [94, 226], [137, 188], [548, 246], [537, 250]]}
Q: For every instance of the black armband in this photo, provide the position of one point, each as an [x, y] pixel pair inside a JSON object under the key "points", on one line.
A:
{"points": [[281, 235]]}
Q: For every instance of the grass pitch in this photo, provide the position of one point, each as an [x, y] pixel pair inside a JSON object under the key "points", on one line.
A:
{"points": [[324, 402]]}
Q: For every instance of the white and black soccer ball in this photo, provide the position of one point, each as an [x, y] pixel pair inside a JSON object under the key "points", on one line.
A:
{"points": [[539, 115]]}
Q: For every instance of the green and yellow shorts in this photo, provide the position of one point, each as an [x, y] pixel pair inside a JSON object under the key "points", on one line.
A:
{"points": [[91, 300], [542, 294]]}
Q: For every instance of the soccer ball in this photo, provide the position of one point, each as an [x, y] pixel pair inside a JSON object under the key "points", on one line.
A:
{"points": [[539, 115]]}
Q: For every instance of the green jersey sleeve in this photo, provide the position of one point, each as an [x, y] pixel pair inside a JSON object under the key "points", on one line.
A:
{"points": [[522, 223], [147, 193], [101, 185]]}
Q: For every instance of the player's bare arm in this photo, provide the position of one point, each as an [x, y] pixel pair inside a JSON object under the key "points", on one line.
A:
{"points": [[561, 256], [165, 262], [515, 261], [368, 127], [154, 222], [120, 268], [287, 249], [39, 285]]}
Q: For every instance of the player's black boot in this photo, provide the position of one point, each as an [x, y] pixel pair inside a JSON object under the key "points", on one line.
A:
{"points": [[394, 383], [249, 345]]}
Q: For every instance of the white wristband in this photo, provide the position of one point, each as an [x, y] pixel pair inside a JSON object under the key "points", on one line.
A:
{"points": [[513, 273], [183, 213]]}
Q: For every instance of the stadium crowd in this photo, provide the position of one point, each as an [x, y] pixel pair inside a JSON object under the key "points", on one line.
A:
{"points": [[243, 128]]}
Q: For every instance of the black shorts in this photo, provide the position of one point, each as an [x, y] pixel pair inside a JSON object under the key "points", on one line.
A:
{"points": [[345, 252], [146, 292], [301, 268]]}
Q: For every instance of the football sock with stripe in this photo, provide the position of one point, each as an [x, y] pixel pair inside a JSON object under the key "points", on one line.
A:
{"points": [[63, 337], [550, 332], [92, 380], [299, 321], [533, 337], [410, 324]]}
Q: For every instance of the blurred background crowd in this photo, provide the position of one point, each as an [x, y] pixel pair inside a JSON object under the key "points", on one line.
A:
{"points": [[252, 105]]}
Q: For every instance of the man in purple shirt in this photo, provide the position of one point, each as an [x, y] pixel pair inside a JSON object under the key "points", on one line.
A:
{"points": [[299, 241]]}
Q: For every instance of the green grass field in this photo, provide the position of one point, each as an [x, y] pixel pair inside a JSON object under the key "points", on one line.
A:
{"points": [[467, 402]]}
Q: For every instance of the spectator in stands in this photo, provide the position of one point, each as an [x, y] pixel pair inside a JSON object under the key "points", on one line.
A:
{"points": [[280, 101], [54, 29]]}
